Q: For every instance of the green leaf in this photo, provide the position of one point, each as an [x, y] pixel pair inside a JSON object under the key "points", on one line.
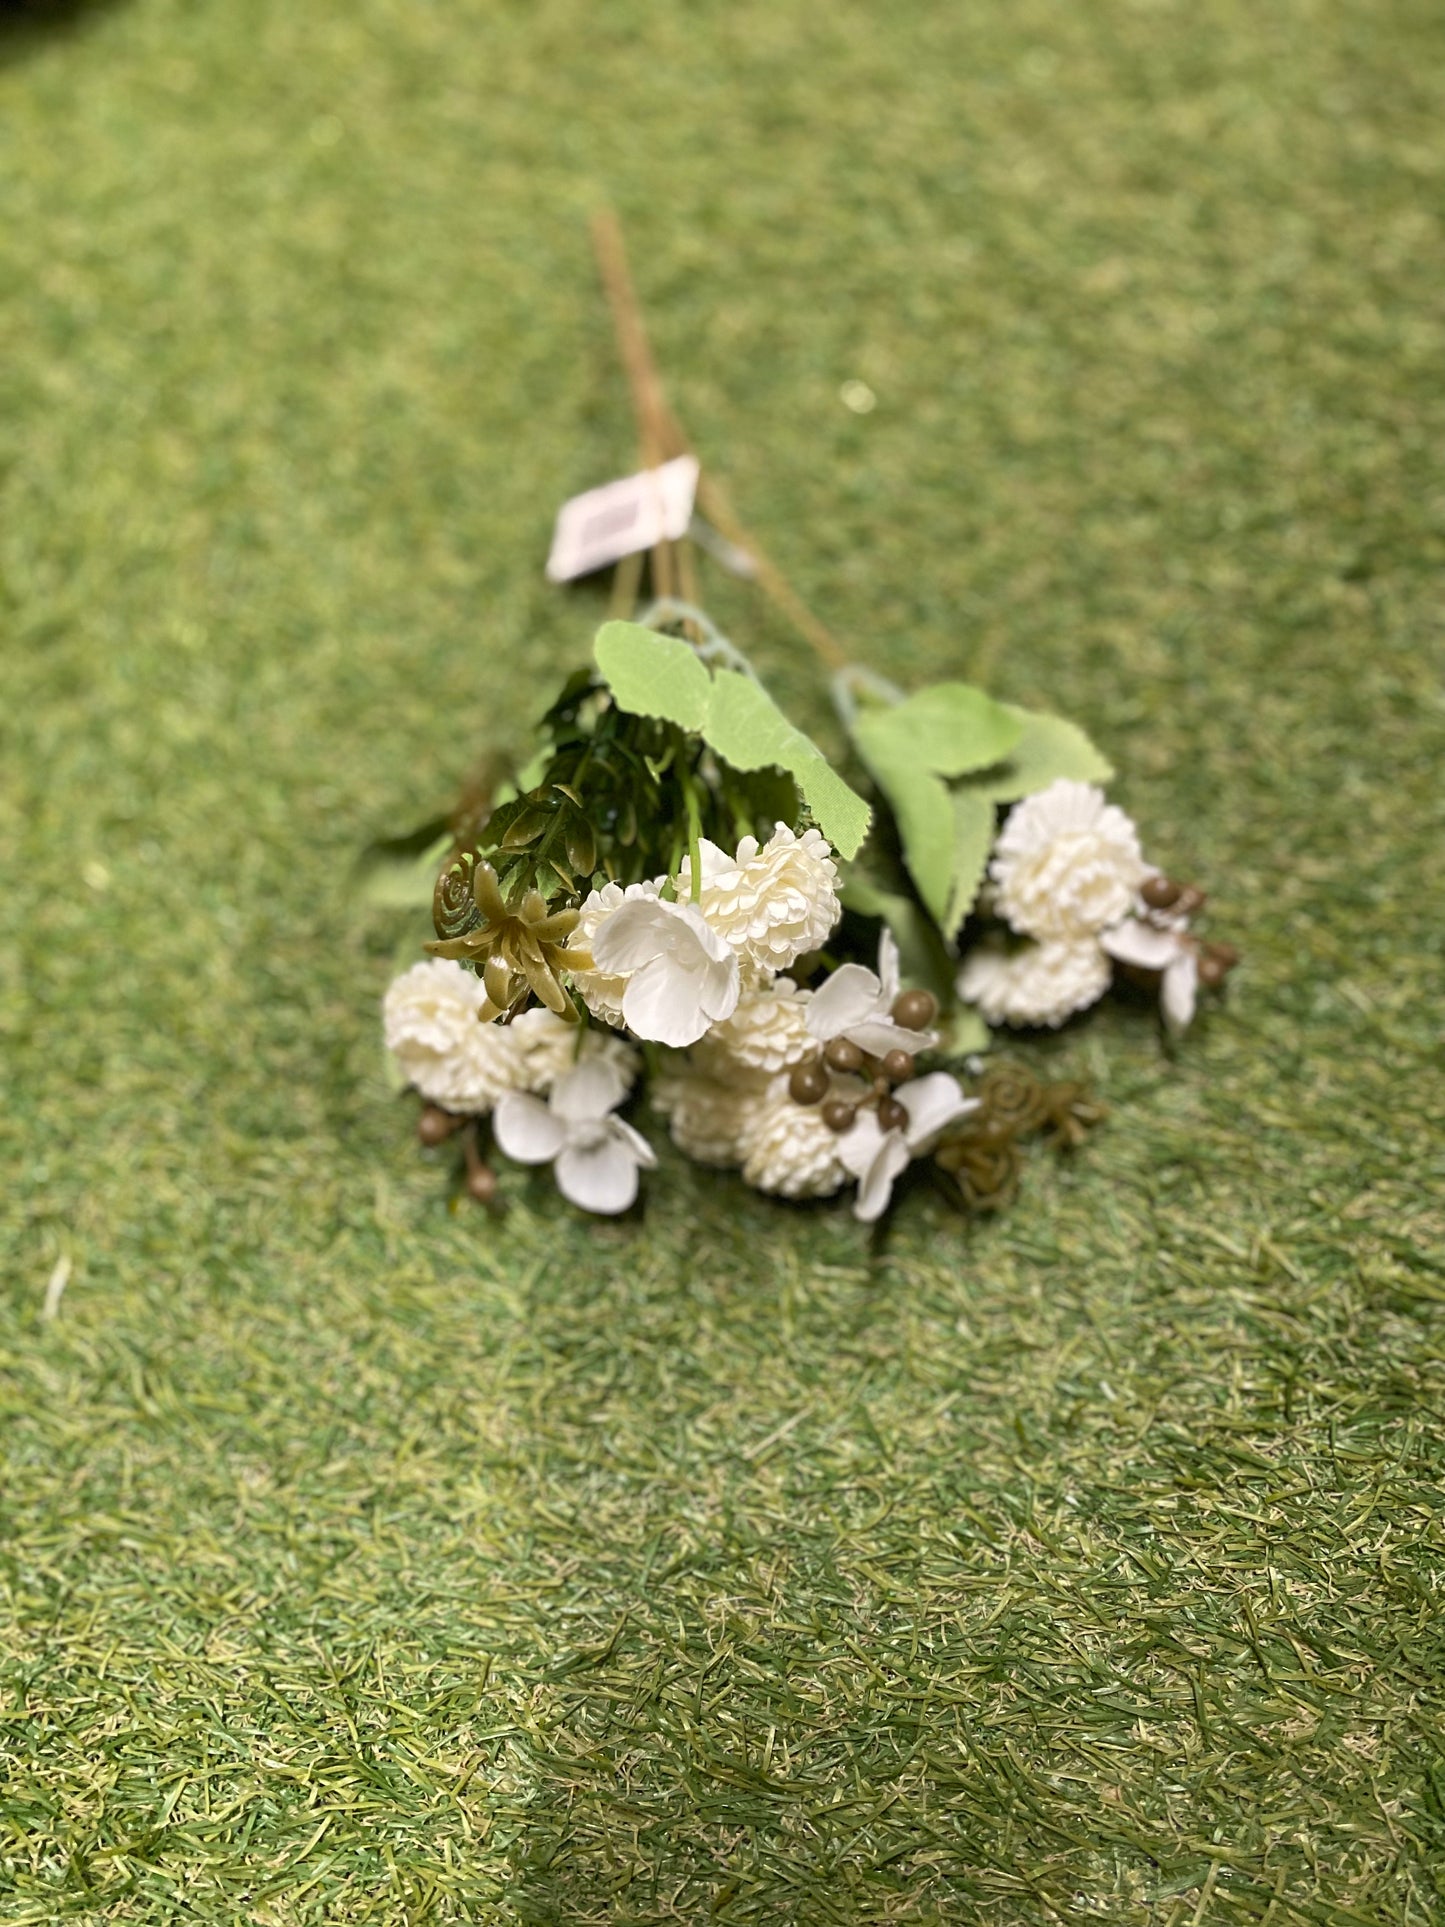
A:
{"points": [[973, 827], [911, 748], [656, 675], [924, 812], [651, 674], [1048, 748], [748, 730], [950, 728]]}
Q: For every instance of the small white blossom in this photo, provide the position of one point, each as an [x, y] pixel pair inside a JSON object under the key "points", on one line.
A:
{"points": [[1168, 950], [680, 976], [772, 904], [787, 1149], [767, 1032], [1067, 863], [1033, 983], [877, 1158], [431, 1025], [601, 991], [857, 1003], [708, 1117], [596, 1156]]}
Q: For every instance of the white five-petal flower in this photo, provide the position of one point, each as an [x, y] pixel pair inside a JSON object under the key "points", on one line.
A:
{"points": [[857, 1003], [596, 1155], [1169, 951], [877, 1158], [681, 976]]}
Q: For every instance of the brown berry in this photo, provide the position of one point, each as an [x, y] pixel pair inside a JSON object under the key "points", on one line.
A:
{"points": [[1225, 953], [482, 1183], [1190, 901], [897, 1065], [1212, 969], [844, 1055], [1161, 892], [892, 1116], [838, 1114], [808, 1083], [915, 1009], [434, 1125]]}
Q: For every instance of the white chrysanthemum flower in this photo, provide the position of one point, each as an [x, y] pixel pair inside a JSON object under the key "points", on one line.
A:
{"points": [[680, 976], [772, 904], [877, 1158], [602, 991], [787, 1149], [430, 1022], [706, 1116], [1067, 863], [1033, 983], [767, 1032], [551, 1047], [596, 1157]]}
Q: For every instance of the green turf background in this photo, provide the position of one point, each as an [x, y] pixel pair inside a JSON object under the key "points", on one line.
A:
{"points": [[365, 1561]]}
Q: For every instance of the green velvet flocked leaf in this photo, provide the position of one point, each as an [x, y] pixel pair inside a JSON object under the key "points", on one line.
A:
{"points": [[911, 748], [651, 674], [1048, 748], [973, 828], [945, 758], [949, 728], [655, 675]]}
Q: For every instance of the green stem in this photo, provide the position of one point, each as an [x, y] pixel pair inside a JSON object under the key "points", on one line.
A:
{"points": [[694, 817]]}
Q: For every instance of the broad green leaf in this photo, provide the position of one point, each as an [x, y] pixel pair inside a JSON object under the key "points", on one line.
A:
{"points": [[973, 828], [924, 811], [949, 728], [747, 729], [651, 674], [1048, 748]]}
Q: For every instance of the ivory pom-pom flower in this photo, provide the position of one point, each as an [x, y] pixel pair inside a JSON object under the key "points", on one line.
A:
{"points": [[1067, 863], [767, 1032], [680, 976], [1033, 983], [551, 1047], [877, 1158], [432, 1028], [772, 904], [600, 990], [787, 1149], [431, 1025], [596, 1156], [857, 1003], [707, 1116]]}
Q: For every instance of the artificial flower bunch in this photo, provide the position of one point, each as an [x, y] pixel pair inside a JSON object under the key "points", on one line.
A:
{"points": [[681, 888]]}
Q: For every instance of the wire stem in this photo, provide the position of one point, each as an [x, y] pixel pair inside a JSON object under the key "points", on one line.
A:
{"points": [[661, 437]]}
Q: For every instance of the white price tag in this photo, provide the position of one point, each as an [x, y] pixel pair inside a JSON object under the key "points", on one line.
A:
{"points": [[621, 518]]}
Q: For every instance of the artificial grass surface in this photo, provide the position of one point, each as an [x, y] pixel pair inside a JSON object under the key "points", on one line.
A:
{"points": [[363, 1561]]}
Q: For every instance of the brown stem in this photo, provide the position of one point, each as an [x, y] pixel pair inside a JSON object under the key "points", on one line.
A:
{"points": [[661, 437]]}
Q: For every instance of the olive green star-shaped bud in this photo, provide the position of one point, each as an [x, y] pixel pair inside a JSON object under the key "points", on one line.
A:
{"points": [[515, 947]]}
